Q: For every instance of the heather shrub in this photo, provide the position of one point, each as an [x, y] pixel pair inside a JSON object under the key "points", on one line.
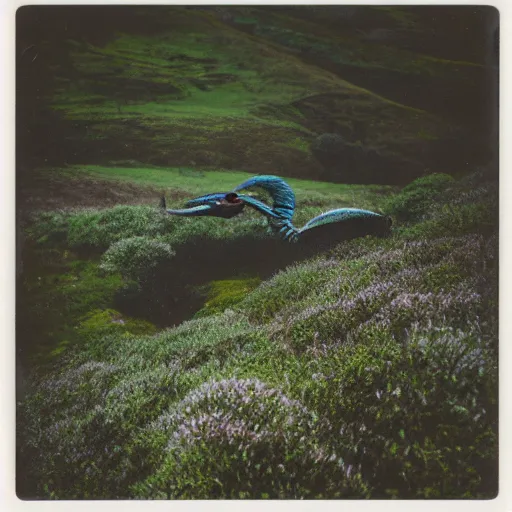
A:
{"points": [[417, 199], [322, 279], [101, 228], [97, 399], [330, 323], [142, 393], [395, 305], [85, 445], [370, 371], [50, 228], [456, 307], [241, 439], [415, 412], [190, 231], [136, 257], [192, 343], [458, 219], [98, 229], [398, 284], [289, 285], [68, 442]]}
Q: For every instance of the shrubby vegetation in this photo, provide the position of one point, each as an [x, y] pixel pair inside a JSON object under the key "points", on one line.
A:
{"points": [[260, 442], [366, 371], [193, 358], [101, 228], [414, 199], [134, 257], [98, 229]]}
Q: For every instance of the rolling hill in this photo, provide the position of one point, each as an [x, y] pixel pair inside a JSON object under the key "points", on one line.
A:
{"points": [[280, 90]]}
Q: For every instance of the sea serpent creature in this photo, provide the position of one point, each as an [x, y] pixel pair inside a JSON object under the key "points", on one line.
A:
{"points": [[279, 215]]}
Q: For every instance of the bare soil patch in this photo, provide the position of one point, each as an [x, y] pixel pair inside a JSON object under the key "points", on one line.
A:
{"points": [[45, 191]]}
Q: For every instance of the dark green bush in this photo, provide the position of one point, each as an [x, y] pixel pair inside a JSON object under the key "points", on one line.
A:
{"points": [[418, 198], [49, 228], [136, 257], [348, 162], [460, 219]]}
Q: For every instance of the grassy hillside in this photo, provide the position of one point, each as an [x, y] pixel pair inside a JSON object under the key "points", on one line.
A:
{"points": [[161, 357], [250, 89], [209, 95]]}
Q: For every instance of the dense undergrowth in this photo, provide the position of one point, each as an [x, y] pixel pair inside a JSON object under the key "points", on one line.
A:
{"points": [[369, 370]]}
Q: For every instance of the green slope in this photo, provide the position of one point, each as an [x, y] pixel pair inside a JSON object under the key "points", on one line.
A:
{"points": [[203, 93]]}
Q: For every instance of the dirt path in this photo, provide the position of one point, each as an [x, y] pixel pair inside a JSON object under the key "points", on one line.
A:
{"points": [[45, 191]]}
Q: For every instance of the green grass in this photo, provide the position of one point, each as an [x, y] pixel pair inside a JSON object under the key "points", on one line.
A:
{"points": [[216, 96], [179, 179], [230, 90]]}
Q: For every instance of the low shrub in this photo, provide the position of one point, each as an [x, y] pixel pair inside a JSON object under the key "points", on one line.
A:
{"points": [[459, 219], [418, 198], [49, 228], [243, 439], [101, 228], [101, 394], [413, 284], [370, 371], [135, 257], [289, 286], [416, 412]]}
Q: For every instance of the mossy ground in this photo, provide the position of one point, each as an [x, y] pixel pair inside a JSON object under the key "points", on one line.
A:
{"points": [[222, 295], [58, 292]]}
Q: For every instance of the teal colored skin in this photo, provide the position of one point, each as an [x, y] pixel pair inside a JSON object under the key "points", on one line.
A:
{"points": [[279, 215]]}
